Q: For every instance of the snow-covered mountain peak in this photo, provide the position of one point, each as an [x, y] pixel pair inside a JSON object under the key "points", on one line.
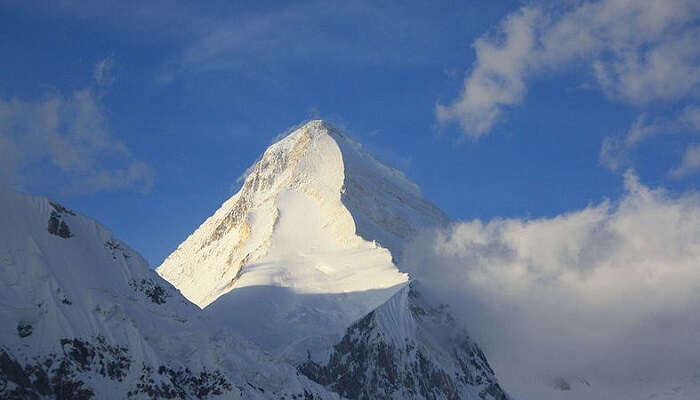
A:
{"points": [[314, 185], [314, 230], [296, 274]]}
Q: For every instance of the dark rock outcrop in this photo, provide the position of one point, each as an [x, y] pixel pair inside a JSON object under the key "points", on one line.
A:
{"points": [[57, 226], [71, 373], [155, 292]]}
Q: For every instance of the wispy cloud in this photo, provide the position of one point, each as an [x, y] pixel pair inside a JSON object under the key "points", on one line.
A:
{"points": [[103, 73], [690, 162], [639, 51], [616, 151], [690, 117], [64, 141], [262, 42], [611, 291]]}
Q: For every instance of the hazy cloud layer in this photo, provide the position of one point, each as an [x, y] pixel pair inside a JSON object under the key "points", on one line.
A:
{"points": [[638, 51], [258, 39], [63, 141], [610, 292], [357, 33]]}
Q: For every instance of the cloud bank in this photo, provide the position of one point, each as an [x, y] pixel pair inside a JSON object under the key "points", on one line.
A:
{"points": [[638, 51], [610, 292], [63, 141]]}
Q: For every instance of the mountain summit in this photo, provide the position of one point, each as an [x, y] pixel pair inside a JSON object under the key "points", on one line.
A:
{"points": [[315, 231], [317, 201]]}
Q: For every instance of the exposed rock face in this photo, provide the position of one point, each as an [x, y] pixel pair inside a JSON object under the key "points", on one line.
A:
{"points": [[406, 349], [57, 225], [155, 292], [71, 373], [24, 329]]}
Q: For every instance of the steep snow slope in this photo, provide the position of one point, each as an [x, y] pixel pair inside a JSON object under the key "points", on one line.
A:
{"points": [[82, 315], [314, 232]]}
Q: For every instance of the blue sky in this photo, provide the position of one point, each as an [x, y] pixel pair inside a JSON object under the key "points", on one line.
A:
{"points": [[143, 116]]}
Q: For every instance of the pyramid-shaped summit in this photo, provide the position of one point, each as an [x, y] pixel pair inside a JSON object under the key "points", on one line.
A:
{"points": [[315, 231], [317, 201]]}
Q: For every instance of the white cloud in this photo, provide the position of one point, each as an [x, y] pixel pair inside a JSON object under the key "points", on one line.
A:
{"points": [[63, 142], [611, 291], [690, 162], [642, 129], [668, 71], [499, 75], [616, 151], [638, 50], [103, 73], [10, 157], [690, 116], [263, 43]]}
